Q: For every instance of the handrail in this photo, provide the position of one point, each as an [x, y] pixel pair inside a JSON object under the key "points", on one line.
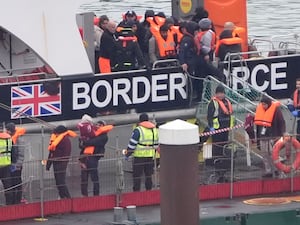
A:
{"points": [[165, 61]]}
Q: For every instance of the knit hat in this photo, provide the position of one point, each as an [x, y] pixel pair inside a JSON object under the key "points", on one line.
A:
{"points": [[220, 89], [144, 117], [87, 118], [266, 100], [205, 23], [60, 129], [130, 13], [149, 13], [101, 122], [11, 127]]}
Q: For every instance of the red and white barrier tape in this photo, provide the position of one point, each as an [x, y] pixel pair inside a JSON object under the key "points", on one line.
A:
{"points": [[221, 130]]}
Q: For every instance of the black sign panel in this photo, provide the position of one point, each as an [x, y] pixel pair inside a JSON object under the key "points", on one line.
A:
{"points": [[143, 91], [275, 76]]}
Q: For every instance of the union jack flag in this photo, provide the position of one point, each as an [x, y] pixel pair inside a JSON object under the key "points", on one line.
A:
{"points": [[32, 100]]}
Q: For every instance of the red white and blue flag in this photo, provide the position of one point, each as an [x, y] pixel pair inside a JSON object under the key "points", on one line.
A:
{"points": [[32, 100]]}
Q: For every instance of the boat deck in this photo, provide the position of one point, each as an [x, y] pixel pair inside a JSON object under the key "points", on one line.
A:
{"points": [[211, 212]]}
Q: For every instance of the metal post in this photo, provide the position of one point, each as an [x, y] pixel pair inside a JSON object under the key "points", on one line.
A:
{"points": [[179, 159], [247, 141], [232, 164], [155, 172], [119, 174], [42, 218]]}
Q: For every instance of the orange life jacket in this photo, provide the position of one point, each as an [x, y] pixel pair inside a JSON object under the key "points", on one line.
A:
{"points": [[296, 101], [198, 40], [89, 150], [19, 132], [155, 23], [96, 20], [56, 139], [265, 117], [147, 124], [166, 47], [104, 65], [126, 39], [227, 41], [227, 111], [175, 30], [4, 135]]}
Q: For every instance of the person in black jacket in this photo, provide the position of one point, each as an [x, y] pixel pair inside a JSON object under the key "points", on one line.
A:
{"points": [[128, 53], [107, 48], [89, 160], [59, 155], [187, 53]]}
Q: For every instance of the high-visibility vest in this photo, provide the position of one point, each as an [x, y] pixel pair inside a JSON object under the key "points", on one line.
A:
{"points": [[5, 149], [227, 111], [147, 142], [89, 150], [296, 101], [198, 40], [55, 139], [20, 131], [166, 47], [265, 117]]}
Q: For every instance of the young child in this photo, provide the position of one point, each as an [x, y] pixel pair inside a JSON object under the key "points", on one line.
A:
{"points": [[86, 128]]}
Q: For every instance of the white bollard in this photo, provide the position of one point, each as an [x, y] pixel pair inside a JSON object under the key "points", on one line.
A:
{"points": [[131, 213], [118, 214]]}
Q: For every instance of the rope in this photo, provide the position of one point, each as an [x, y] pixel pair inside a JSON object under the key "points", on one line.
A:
{"points": [[17, 185], [222, 130], [37, 120]]}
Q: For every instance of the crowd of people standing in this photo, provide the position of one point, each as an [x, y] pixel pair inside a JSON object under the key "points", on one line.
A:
{"points": [[134, 44]]}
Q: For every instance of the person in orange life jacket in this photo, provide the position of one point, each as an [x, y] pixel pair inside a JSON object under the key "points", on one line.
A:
{"points": [[59, 155], [170, 22], [91, 151], [142, 145], [187, 54], [294, 106], [228, 42], [219, 115], [17, 158], [156, 22], [130, 17], [98, 32], [270, 126], [107, 48], [162, 45], [205, 42], [128, 52]]}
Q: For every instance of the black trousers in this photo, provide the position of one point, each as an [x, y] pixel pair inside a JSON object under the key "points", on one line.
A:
{"points": [[92, 170], [16, 182], [60, 168], [218, 143], [142, 165], [298, 130], [6, 181]]}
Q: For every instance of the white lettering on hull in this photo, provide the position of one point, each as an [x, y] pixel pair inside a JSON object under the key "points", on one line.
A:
{"points": [[261, 77], [158, 88]]}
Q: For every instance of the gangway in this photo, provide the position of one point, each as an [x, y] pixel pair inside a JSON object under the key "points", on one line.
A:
{"points": [[244, 101]]}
